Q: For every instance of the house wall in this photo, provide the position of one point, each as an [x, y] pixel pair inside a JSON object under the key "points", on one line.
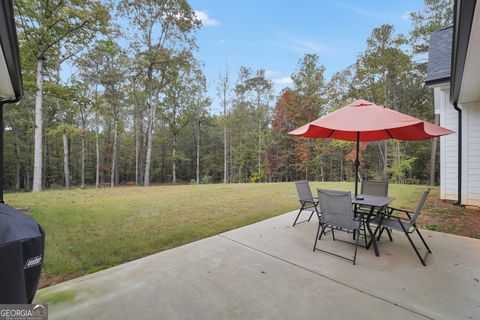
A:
{"points": [[471, 153], [449, 150], [448, 144]]}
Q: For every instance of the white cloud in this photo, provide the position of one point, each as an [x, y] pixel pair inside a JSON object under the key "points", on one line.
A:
{"points": [[270, 73], [205, 19], [300, 45], [305, 45], [285, 81]]}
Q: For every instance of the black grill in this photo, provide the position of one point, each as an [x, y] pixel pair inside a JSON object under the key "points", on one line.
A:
{"points": [[22, 244]]}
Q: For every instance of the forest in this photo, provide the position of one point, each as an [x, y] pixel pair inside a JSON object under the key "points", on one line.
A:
{"points": [[137, 112]]}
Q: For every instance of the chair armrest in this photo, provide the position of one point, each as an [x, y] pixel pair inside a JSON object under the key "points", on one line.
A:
{"points": [[400, 210], [308, 201], [397, 217]]}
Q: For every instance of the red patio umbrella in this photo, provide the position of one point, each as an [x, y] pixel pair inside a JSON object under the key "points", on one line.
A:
{"points": [[365, 121]]}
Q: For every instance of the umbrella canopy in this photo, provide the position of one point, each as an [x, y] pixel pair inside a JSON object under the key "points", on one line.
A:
{"points": [[370, 122], [365, 121]]}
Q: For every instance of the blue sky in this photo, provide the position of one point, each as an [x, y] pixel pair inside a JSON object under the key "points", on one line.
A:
{"points": [[274, 35]]}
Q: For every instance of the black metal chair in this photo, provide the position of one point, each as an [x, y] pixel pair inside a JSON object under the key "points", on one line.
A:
{"points": [[337, 213], [307, 201], [407, 224]]}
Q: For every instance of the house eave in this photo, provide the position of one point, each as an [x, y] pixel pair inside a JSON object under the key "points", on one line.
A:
{"points": [[462, 20], [10, 52]]}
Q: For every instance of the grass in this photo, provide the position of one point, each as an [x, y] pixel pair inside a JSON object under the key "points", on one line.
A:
{"points": [[93, 229], [48, 297]]}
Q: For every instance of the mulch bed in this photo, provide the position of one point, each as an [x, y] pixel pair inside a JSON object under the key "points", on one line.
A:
{"points": [[444, 216]]}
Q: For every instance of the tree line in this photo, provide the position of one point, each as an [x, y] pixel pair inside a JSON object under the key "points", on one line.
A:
{"points": [[109, 103]]}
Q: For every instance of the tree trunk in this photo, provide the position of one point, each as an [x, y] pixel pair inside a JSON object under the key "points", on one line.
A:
{"points": [[385, 163], [198, 149], [37, 162], [17, 155], [66, 161], [385, 160], [97, 165], [114, 155], [66, 168], [259, 138], [174, 153], [137, 151], [433, 155], [46, 161], [82, 183], [151, 117], [225, 177], [341, 168]]}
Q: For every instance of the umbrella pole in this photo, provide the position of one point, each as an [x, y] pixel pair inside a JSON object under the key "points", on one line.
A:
{"points": [[357, 163]]}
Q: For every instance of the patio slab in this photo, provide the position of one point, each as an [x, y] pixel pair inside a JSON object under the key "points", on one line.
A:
{"points": [[268, 271]]}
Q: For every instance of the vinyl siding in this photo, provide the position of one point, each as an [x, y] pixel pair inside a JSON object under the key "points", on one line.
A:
{"points": [[471, 145], [448, 144]]}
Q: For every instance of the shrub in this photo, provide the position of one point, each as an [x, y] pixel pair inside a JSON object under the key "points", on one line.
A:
{"points": [[206, 180]]}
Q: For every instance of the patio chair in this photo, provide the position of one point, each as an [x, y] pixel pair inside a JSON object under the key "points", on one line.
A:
{"points": [[407, 224], [375, 188], [307, 201], [337, 213]]}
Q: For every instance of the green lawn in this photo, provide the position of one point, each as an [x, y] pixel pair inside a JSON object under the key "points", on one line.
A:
{"points": [[92, 229]]}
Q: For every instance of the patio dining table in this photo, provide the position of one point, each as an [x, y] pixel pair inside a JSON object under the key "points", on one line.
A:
{"points": [[377, 203]]}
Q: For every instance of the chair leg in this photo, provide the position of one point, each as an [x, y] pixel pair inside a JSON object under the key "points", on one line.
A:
{"points": [[389, 234], [323, 232], [365, 234], [413, 245], [333, 234], [310, 216], [356, 249], [316, 238], [298, 215], [380, 234], [423, 240], [373, 235]]}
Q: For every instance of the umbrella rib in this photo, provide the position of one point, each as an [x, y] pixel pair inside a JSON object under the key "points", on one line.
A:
{"points": [[330, 134]]}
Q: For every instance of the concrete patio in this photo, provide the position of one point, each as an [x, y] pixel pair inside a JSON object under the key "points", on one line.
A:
{"points": [[268, 271]]}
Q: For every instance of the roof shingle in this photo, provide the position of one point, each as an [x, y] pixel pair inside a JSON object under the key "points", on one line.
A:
{"points": [[439, 56]]}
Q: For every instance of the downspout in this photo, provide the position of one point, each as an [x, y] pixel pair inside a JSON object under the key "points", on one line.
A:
{"points": [[459, 191]]}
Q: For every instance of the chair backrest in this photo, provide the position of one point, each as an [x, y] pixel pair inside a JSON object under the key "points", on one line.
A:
{"points": [[336, 208], [374, 188], [420, 205], [303, 190]]}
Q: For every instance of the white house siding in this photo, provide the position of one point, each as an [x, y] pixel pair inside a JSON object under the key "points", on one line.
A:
{"points": [[448, 144], [471, 153]]}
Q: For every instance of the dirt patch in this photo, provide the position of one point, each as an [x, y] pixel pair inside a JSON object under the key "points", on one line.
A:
{"points": [[444, 216], [47, 280]]}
